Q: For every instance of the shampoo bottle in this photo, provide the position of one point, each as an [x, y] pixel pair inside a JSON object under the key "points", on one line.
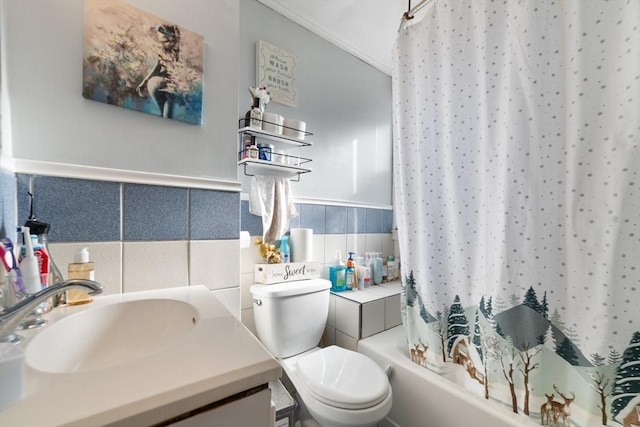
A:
{"points": [[81, 268]]}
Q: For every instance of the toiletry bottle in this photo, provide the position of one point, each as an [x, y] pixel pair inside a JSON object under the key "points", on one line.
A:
{"points": [[253, 118], [41, 255], [285, 251], [337, 274], [53, 274], [360, 272], [385, 271], [391, 269], [81, 268], [29, 265], [351, 278], [377, 269]]}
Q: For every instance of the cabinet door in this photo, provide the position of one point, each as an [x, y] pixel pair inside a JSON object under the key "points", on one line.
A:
{"points": [[251, 411]]}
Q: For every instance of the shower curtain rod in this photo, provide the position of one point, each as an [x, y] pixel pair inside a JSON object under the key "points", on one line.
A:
{"points": [[410, 13]]}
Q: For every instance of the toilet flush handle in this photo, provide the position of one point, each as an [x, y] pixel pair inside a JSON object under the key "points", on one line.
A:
{"points": [[257, 302]]}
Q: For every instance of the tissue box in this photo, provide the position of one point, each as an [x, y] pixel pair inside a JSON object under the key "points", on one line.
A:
{"points": [[286, 272]]}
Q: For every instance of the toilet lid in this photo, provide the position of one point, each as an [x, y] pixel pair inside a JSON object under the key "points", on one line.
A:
{"points": [[343, 378]]}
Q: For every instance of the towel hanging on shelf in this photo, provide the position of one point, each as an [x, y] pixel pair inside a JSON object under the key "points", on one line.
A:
{"points": [[270, 197]]}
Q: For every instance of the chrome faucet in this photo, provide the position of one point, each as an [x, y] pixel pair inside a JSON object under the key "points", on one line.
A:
{"points": [[10, 317]]}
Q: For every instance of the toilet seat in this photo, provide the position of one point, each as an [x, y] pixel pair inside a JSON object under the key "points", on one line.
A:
{"points": [[342, 378]]}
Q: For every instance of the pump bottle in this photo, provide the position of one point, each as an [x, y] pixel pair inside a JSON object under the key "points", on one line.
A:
{"points": [[81, 268], [351, 274]]}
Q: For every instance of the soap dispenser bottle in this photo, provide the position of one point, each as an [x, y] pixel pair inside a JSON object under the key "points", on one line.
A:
{"points": [[81, 268], [351, 277], [337, 274]]}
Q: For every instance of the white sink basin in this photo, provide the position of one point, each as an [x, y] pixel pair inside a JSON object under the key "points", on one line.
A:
{"points": [[110, 335]]}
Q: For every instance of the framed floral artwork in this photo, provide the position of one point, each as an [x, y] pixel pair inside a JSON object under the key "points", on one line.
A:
{"points": [[138, 61]]}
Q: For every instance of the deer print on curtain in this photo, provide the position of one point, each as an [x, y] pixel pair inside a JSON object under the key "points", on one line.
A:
{"points": [[516, 184]]}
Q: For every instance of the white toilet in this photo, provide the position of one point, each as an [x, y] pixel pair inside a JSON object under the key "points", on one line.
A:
{"points": [[339, 387]]}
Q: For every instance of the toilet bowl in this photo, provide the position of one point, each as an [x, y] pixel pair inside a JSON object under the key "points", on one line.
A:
{"points": [[338, 387]]}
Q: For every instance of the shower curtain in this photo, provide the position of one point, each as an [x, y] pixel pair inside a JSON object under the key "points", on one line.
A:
{"points": [[517, 200]]}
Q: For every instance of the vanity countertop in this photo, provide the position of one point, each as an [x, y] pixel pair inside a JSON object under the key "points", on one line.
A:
{"points": [[217, 359]]}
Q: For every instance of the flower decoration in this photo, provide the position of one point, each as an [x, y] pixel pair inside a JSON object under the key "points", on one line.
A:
{"points": [[261, 94], [269, 252]]}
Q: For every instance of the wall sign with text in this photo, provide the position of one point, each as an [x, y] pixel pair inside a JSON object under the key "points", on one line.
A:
{"points": [[275, 71]]}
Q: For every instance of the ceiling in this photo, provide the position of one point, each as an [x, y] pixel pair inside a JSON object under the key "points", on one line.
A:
{"points": [[365, 28]]}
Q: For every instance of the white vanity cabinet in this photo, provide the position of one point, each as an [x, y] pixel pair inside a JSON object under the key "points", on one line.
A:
{"points": [[253, 410], [215, 374]]}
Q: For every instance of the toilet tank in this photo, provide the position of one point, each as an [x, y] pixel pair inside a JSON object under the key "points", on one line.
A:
{"points": [[290, 317]]}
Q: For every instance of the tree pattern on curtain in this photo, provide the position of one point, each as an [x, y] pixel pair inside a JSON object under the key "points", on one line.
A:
{"points": [[516, 174]]}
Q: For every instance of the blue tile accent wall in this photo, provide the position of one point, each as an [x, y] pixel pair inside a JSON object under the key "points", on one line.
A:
{"points": [[387, 221], [336, 222], [374, 221], [356, 220], [152, 212], [214, 215], [78, 210], [82, 210], [313, 216], [249, 222], [327, 219]]}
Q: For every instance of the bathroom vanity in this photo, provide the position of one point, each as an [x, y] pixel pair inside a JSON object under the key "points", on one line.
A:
{"points": [[198, 366]]}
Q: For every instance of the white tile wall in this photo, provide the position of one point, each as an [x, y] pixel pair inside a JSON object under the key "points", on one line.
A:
{"points": [[348, 317], [375, 310], [214, 263], [345, 341], [154, 265], [329, 337], [106, 256], [373, 243], [373, 317], [319, 242], [393, 316], [246, 281], [331, 319], [333, 243], [247, 319], [356, 243]]}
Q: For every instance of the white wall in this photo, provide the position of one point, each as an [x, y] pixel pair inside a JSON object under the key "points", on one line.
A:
{"points": [[51, 121], [345, 102], [50, 129]]}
